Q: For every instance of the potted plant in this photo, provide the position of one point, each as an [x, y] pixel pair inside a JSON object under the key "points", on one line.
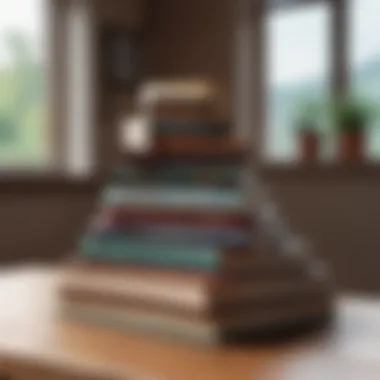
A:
{"points": [[308, 131], [352, 118]]}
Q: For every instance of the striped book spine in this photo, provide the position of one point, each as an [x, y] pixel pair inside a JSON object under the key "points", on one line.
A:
{"points": [[207, 258], [160, 196]]}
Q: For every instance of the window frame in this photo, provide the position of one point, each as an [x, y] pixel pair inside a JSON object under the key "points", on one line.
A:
{"points": [[254, 129], [58, 170]]}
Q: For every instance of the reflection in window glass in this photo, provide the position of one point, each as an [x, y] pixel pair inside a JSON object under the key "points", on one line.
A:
{"points": [[298, 70]]}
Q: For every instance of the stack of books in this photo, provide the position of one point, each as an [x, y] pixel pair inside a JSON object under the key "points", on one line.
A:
{"points": [[171, 249]]}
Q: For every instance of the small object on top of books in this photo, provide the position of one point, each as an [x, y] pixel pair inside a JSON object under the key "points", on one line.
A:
{"points": [[176, 249]]}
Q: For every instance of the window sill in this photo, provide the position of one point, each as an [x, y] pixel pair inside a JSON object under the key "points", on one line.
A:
{"points": [[328, 171]]}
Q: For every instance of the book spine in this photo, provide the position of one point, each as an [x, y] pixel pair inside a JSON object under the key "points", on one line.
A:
{"points": [[178, 307], [146, 197], [176, 234], [184, 127], [221, 176], [158, 255], [126, 216], [185, 155], [123, 319], [214, 306]]}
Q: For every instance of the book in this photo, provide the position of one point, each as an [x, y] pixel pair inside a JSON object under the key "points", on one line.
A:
{"points": [[214, 310], [196, 256], [222, 151], [194, 300], [173, 197], [173, 233], [207, 332], [257, 268], [181, 127], [198, 146], [176, 90], [122, 216], [173, 173]]}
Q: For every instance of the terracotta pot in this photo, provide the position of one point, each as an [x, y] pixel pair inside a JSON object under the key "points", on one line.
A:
{"points": [[351, 146], [309, 146]]}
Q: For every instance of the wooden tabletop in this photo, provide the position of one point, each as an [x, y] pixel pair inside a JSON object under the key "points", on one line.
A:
{"points": [[29, 325]]}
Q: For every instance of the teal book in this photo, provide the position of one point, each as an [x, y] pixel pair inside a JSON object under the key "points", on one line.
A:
{"points": [[176, 197], [179, 174], [175, 234], [206, 258]]}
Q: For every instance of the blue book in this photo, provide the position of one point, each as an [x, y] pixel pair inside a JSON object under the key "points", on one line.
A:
{"points": [[182, 198], [200, 257], [176, 234], [180, 174]]}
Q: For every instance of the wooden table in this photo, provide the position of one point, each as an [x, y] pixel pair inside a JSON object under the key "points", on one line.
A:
{"points": [[29, 327]]}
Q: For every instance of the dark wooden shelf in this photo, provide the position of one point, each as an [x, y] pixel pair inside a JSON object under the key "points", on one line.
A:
{"points": [[323, 171]]}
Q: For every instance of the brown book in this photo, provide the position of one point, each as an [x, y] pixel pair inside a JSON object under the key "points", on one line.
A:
{"points": [[192, 149], [194, 304], [193, 293], [208, 331], [198, 146]]}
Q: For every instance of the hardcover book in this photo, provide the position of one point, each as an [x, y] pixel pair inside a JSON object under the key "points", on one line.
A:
{"points": [[200, 257], [173, 197], [196, 300], [207, 332], [122, 216]]}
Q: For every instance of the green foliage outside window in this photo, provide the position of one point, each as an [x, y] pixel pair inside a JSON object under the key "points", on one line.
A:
{"points": [[23, 135]]}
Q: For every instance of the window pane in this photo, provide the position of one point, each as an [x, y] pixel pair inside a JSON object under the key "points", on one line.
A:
{"points": [[298, 71], [365, 61], [23, 135]]}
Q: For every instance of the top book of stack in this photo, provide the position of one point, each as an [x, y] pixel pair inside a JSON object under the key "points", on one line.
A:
{"points": [[179, 118]]}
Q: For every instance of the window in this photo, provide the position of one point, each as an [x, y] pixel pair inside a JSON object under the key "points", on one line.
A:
{"points": [[298, 46], [46, 77], [23, 128], [365, 60]]}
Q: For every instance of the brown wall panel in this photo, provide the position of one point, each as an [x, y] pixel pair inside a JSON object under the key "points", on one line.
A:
{"points": [[342, 219], [42, 225], [193, 38]]}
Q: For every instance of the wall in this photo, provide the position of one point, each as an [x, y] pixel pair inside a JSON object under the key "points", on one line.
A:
{"points": [[41, 219], [193, 38], [340, 213]]}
